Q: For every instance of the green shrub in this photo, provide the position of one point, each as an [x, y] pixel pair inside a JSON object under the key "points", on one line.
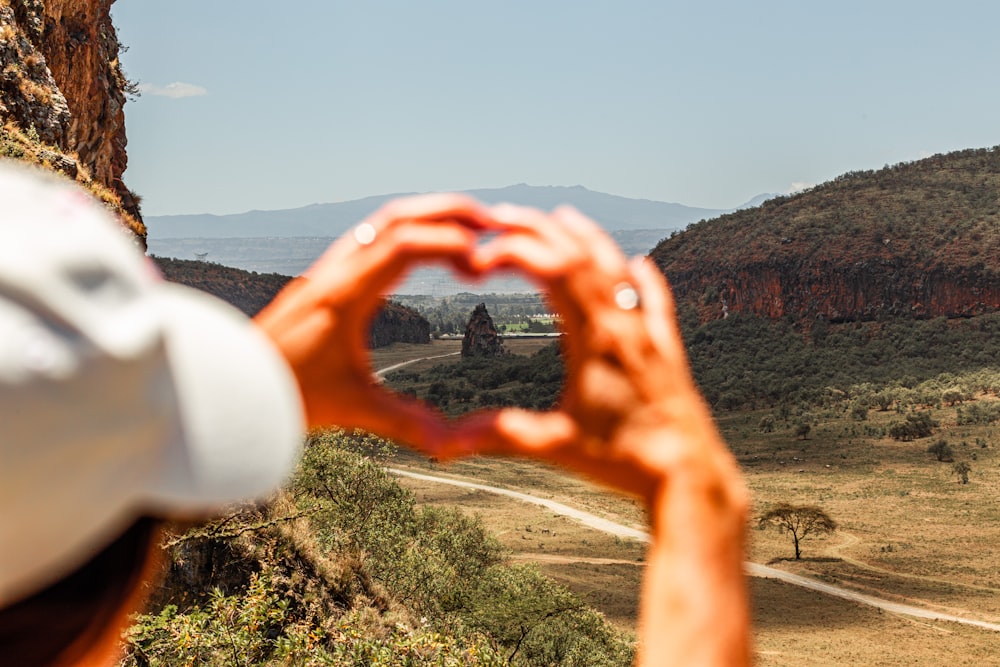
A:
{"points": [[916, 425], [942, 450], [389, 583]]}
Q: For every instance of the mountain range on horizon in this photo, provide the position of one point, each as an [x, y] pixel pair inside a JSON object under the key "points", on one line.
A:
{"points": [[613, 212]]}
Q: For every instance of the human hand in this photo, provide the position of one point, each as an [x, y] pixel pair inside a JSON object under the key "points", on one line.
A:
{"points": [[320, 322], [630, 414], [631, 417]]}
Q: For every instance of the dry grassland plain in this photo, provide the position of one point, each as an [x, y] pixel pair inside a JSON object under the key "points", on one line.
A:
{"points": [[909, 532]]}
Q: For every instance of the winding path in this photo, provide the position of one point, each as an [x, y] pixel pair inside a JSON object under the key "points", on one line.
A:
{"points": [[380, 374], [752, 569]]}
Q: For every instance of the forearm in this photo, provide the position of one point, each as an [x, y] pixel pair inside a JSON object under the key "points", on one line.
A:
{"points": [[695, 605]]}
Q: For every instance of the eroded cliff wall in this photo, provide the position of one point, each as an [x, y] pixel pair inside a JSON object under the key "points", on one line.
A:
{"points": [[837, 292], [62, 95], [919, 239]]}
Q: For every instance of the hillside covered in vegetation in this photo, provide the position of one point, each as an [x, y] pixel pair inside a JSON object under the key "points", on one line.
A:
{"points": [[918, 239], [343, 569], [455, 389]]}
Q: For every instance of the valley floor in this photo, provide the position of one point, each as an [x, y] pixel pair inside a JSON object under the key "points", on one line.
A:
{"points": [[793, 625], [910, 533]]}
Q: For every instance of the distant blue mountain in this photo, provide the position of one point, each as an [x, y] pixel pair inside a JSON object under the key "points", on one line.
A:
{"points": [[330, 220]]}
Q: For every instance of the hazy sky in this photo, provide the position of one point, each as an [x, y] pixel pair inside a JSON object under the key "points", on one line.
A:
{"points": [[249, 105]]}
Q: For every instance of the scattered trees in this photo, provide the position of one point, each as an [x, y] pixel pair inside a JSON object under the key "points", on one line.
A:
{"points": [[533, 382], [799, 520], [978, 413], [886, 366]]}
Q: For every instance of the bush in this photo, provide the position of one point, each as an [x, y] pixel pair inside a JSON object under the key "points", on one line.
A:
{"points": [[962, 469], [942, 450], [917, 425]]}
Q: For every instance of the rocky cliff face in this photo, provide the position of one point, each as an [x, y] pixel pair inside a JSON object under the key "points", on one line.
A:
{"points": [[481, 336], [62, 93], [835, 292], [399, 324], [29, 93], [920, 240]]}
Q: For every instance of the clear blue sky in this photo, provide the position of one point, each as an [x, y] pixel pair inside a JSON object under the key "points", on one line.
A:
{"points": [[249, 105]]}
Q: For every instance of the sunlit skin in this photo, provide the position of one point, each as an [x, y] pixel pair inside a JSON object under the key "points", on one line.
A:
{"points": [[630, 416]]}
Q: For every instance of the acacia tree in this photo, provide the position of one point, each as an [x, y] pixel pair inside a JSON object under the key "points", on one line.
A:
{"points": [[799, 520], [942, 450]]}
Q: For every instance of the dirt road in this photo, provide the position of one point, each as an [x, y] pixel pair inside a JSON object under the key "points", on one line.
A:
{"points": [[752, 569], [380, 374]]}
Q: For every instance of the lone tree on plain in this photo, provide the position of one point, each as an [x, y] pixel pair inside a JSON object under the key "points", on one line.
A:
{"points": [[942, 450], [962, 469], [799, 520]]}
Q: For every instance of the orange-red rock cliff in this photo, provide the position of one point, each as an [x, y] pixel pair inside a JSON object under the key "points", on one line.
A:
{"points": [[61, 85]]}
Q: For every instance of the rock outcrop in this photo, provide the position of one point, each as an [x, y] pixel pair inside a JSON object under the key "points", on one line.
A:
{"points": [[918, 240], [62, 93], [481, 336], [398, 324], [29, 93]]}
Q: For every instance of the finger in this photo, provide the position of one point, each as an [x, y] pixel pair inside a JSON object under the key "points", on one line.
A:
{"points": [[513, 432], [353, 279], [423, 237], [536, 244], [511, 217], [579, 251], [441, 207], [605, 253], [402, 245], [658, 311], [392, 416], [529, 251], [578, 236], [430, 207]]}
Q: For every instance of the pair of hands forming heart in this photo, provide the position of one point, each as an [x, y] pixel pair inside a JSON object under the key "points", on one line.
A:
{"points": [[629, 417], [630, 410]]}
